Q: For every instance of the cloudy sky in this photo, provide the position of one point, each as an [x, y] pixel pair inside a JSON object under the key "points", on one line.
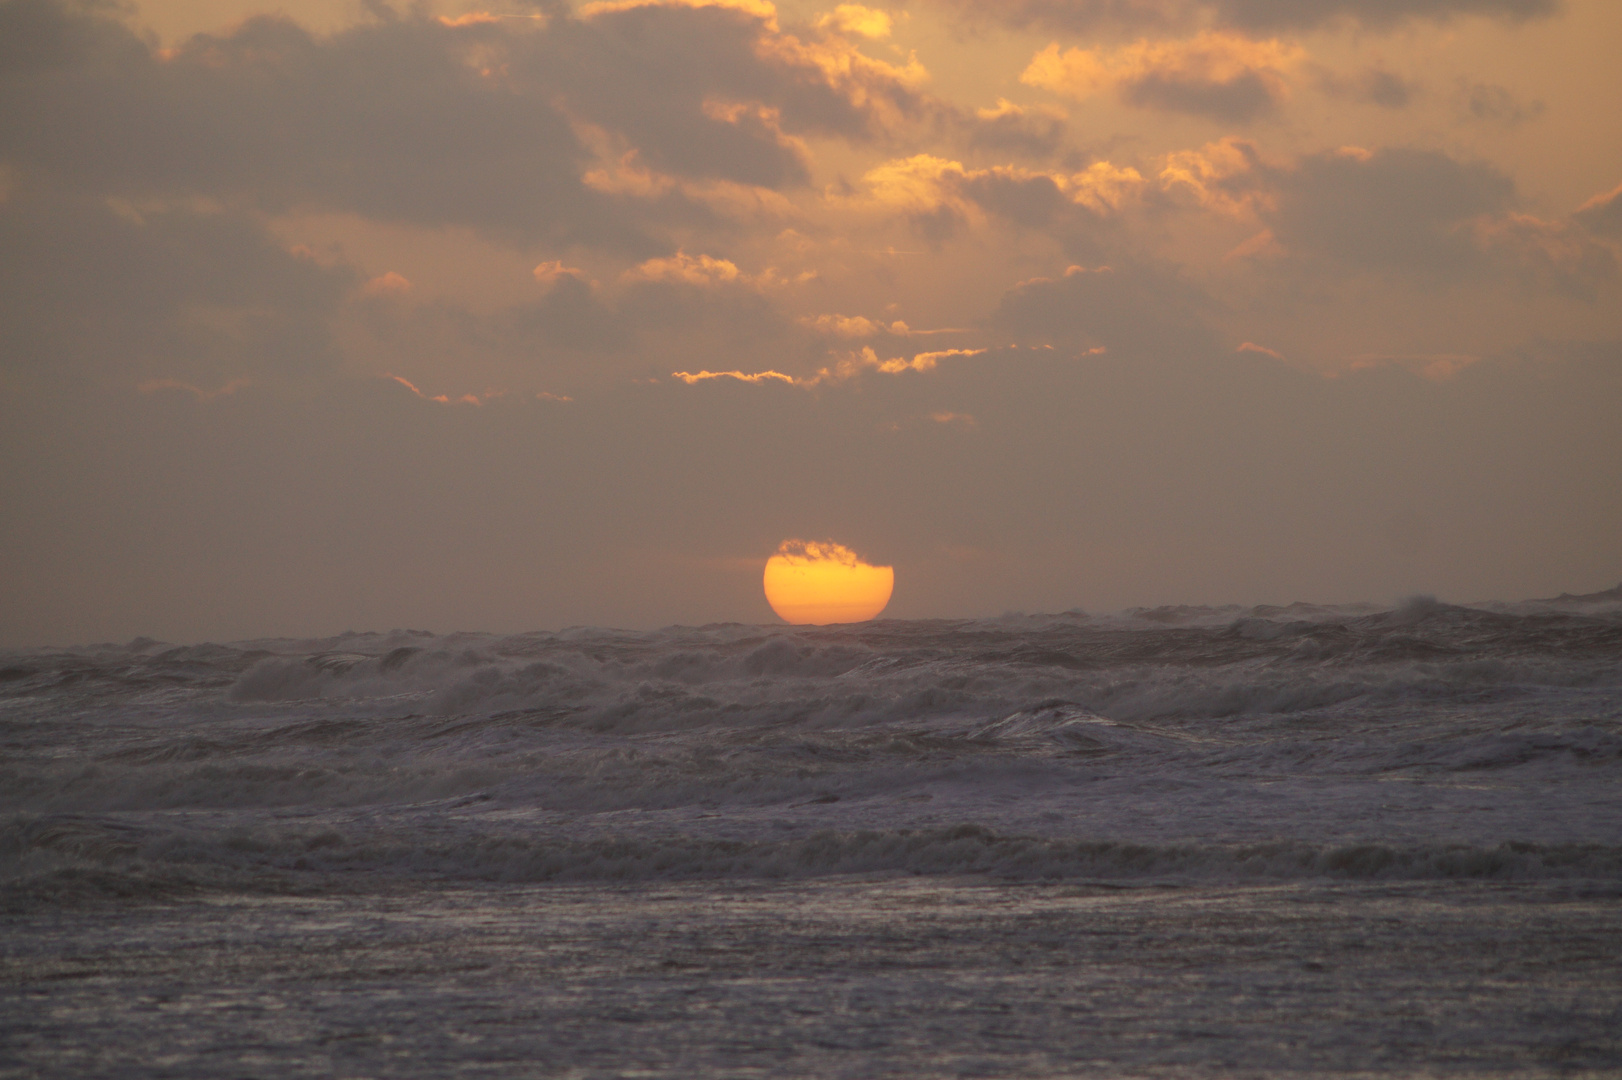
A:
{"points": [[316, 317]]}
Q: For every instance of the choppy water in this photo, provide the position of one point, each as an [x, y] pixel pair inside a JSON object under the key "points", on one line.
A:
{"points": [[1181, 841]]}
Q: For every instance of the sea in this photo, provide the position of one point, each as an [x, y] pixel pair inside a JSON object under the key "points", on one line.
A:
{"points": [[1316, 840]]}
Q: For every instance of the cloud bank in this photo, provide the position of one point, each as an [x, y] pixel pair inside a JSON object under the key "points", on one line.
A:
{"points": [[450, 319]]}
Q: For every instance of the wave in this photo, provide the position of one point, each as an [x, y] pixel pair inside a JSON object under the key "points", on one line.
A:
{"points": [[1079, 746], [57, 859]]}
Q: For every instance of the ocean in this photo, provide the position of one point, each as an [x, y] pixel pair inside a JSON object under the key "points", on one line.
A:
{"points": [[1352, 840]]}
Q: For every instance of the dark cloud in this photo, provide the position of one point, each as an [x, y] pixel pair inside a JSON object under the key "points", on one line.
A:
{"points": [[1089, 16], [386, 120], [1394, 209], [1373, 86], [1238, 99], [413, 120], [1011, 130], [1489, 101], [163, 293], [650, 70], [1135, 311], [1267, 14], [576, 335], [1032, 200]]}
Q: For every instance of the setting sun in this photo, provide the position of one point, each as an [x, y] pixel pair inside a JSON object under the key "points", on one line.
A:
{"points": [[821, 583]]}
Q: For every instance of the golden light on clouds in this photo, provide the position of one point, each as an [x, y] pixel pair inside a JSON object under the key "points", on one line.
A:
{"points": [[820, 583]]}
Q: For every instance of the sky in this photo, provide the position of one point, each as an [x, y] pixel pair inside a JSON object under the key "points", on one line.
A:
{"points": [[324, 317]]}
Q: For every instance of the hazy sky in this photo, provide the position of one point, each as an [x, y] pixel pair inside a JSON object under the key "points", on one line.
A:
{"points": [[317, 318]]}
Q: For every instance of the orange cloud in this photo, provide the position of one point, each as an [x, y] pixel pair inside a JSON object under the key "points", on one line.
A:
{"points": [[547, 273], [389, 284], [848, 326], [924, 183], [620, 170], [859, 326], [1216, 73], [924, 361], [1004, 107], [855, 19], [885, 92], [1251, 346], [847, 367], [486, 18], [742, 376], [1219, 176], [446, 399], [701, 270], [706, 271]]}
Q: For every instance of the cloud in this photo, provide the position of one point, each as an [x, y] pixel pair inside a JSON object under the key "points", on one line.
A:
{"points": [[1561, 254], [681, 268], [938, 195], [1091, 16], [1135, 311], [397, 120], [924, 361], [572, 334], [494, 125], [89, 289], [1227, 176], [741, 376], [1372, 86], [1252, 347], [1421, 212], [855, 19], [388, 284], [445, 399], [550, 272], [847, 367], [152, 386], [1491, 102], [756, 9], [1602, 215], [1437, 367], [1394, 209], [1223, 76], [1035, 130], [1101, 484], [851, 326]]}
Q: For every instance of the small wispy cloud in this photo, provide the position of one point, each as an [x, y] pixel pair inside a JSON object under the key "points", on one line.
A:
{"points": [[446, 399]]}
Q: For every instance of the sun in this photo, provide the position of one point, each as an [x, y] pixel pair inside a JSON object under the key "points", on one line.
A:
{"points": [[821, 583]]}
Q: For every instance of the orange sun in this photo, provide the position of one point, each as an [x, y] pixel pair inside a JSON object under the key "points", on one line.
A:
{"points": [[821, 583]]}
